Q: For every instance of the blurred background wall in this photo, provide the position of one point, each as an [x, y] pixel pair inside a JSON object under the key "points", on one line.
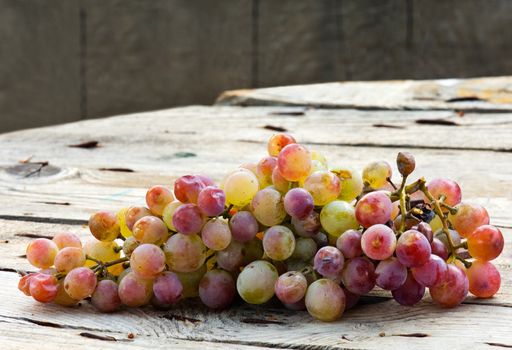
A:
{"points": [[66, 60]]}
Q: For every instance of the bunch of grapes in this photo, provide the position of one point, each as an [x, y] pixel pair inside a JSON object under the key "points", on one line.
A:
{"points": [[291, 227]]}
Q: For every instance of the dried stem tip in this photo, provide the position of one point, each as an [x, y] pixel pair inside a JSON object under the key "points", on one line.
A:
{"points": [[405, 163]]}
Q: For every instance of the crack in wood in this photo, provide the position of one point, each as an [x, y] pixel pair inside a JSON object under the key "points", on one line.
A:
{"points": [[173, 317], [97, 336], [501, 345], [44, 220], [260, 321]]}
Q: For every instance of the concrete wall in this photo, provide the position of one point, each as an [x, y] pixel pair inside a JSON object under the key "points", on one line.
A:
{"points": [[65, 60]]}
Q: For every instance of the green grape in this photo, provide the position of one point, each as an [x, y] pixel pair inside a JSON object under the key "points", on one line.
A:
{"points": [[351, 182], [376, 174], [338, 217], [190, 282], [279, 243], [325, 300], [184, 253], [305, 249], [105, 252], [121, 219], [256, 282], [168, 213], [240, 187], [267, 207]]}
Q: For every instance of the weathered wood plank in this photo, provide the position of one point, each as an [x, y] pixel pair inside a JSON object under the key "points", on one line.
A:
{"points": [[481, 94]]}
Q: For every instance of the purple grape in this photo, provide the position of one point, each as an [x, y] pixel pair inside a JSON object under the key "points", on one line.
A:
{"points": [[167, 288], [431, 272], [244, 226], [413, 249], [188, 219], [358, 276], [298, 203], [217, 289], [211, 201], [329, 262], [106, 298], [439, 249], [349, 243], [390, 274], [410, 293], [308, 227]]}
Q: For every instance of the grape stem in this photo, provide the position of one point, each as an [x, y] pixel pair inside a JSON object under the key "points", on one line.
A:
{"points": [[226, 214], [403, 210], [101, 265], [121, 237]]}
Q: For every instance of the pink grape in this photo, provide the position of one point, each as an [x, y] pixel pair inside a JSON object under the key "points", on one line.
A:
{"points": [[244, 226], [431, 272], [409, 293], [325, 300], [294, 162], [167, 288], [291, 287], [279, 243], [104, 226], [453, 287], [216, 234], [309, 226], [298, 203], [413, 249], [211, 200], [468, 218], [232, 257], [187, 188], [485, 243], [188, 219], [378, 242], [217, 289], [358, 276], [484, 279], [349, 243], [62, 297], [439, 249], [324, 187], [329, 262], [374, 208], [24, 283], [43, 288], [157, 198], [68, 258], [390, 274], [147, 260], [426, 230], [134, 291], [41, 253], [265, 168], [184, 253], [106, 298], [279, 182], [80, 283], [447, 188], [277, 142], [67, 239], [133, 214], [150, 229]]}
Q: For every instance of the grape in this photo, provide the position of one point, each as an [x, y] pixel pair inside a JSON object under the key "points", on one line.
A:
{"points": [[190, 281], [298, 203], [277, 142], [279, 243], [291, 287], [252, 251], [413, 249], [325, 300], [217, 289], [207, 181], [324, 187], [243, 226], [134, 214], [267, 207], [184, 253], [338, 217], [41, 252], [410, 222], [351, 182], [104, 226], [349, 243], [485, 243], [436, 224], [255, 284], [376, 174], [211, 201], [43, 288], [79, 283], [409, 293], [279, 182], [358, 276], [351, 299], [308, 227], [24, 283], [439, 249], [67, 239], [305, 249], [168, 213], [294, 162], [129, 245], [69, 258], [390, 274], [150, 229], [374, 208], [378, 242], [188, 219], [484, 279], [121, 219], [62, 297], [232, 257], [147, 260], [395, 211], [441, 235], [405, 163], [134, 291], [264, 170], [321, 239], [157, 198], [329, 262], [240, 187], [167, 288], [447, 188], [187, 188], [453, 287], [103, 251], [431, 272], [426, 230], [106, 298], [468, 218], [216, 234], [298, 306]]}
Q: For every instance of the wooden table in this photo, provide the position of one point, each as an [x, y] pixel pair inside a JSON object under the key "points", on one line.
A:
{"points": [[139, 150]]}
